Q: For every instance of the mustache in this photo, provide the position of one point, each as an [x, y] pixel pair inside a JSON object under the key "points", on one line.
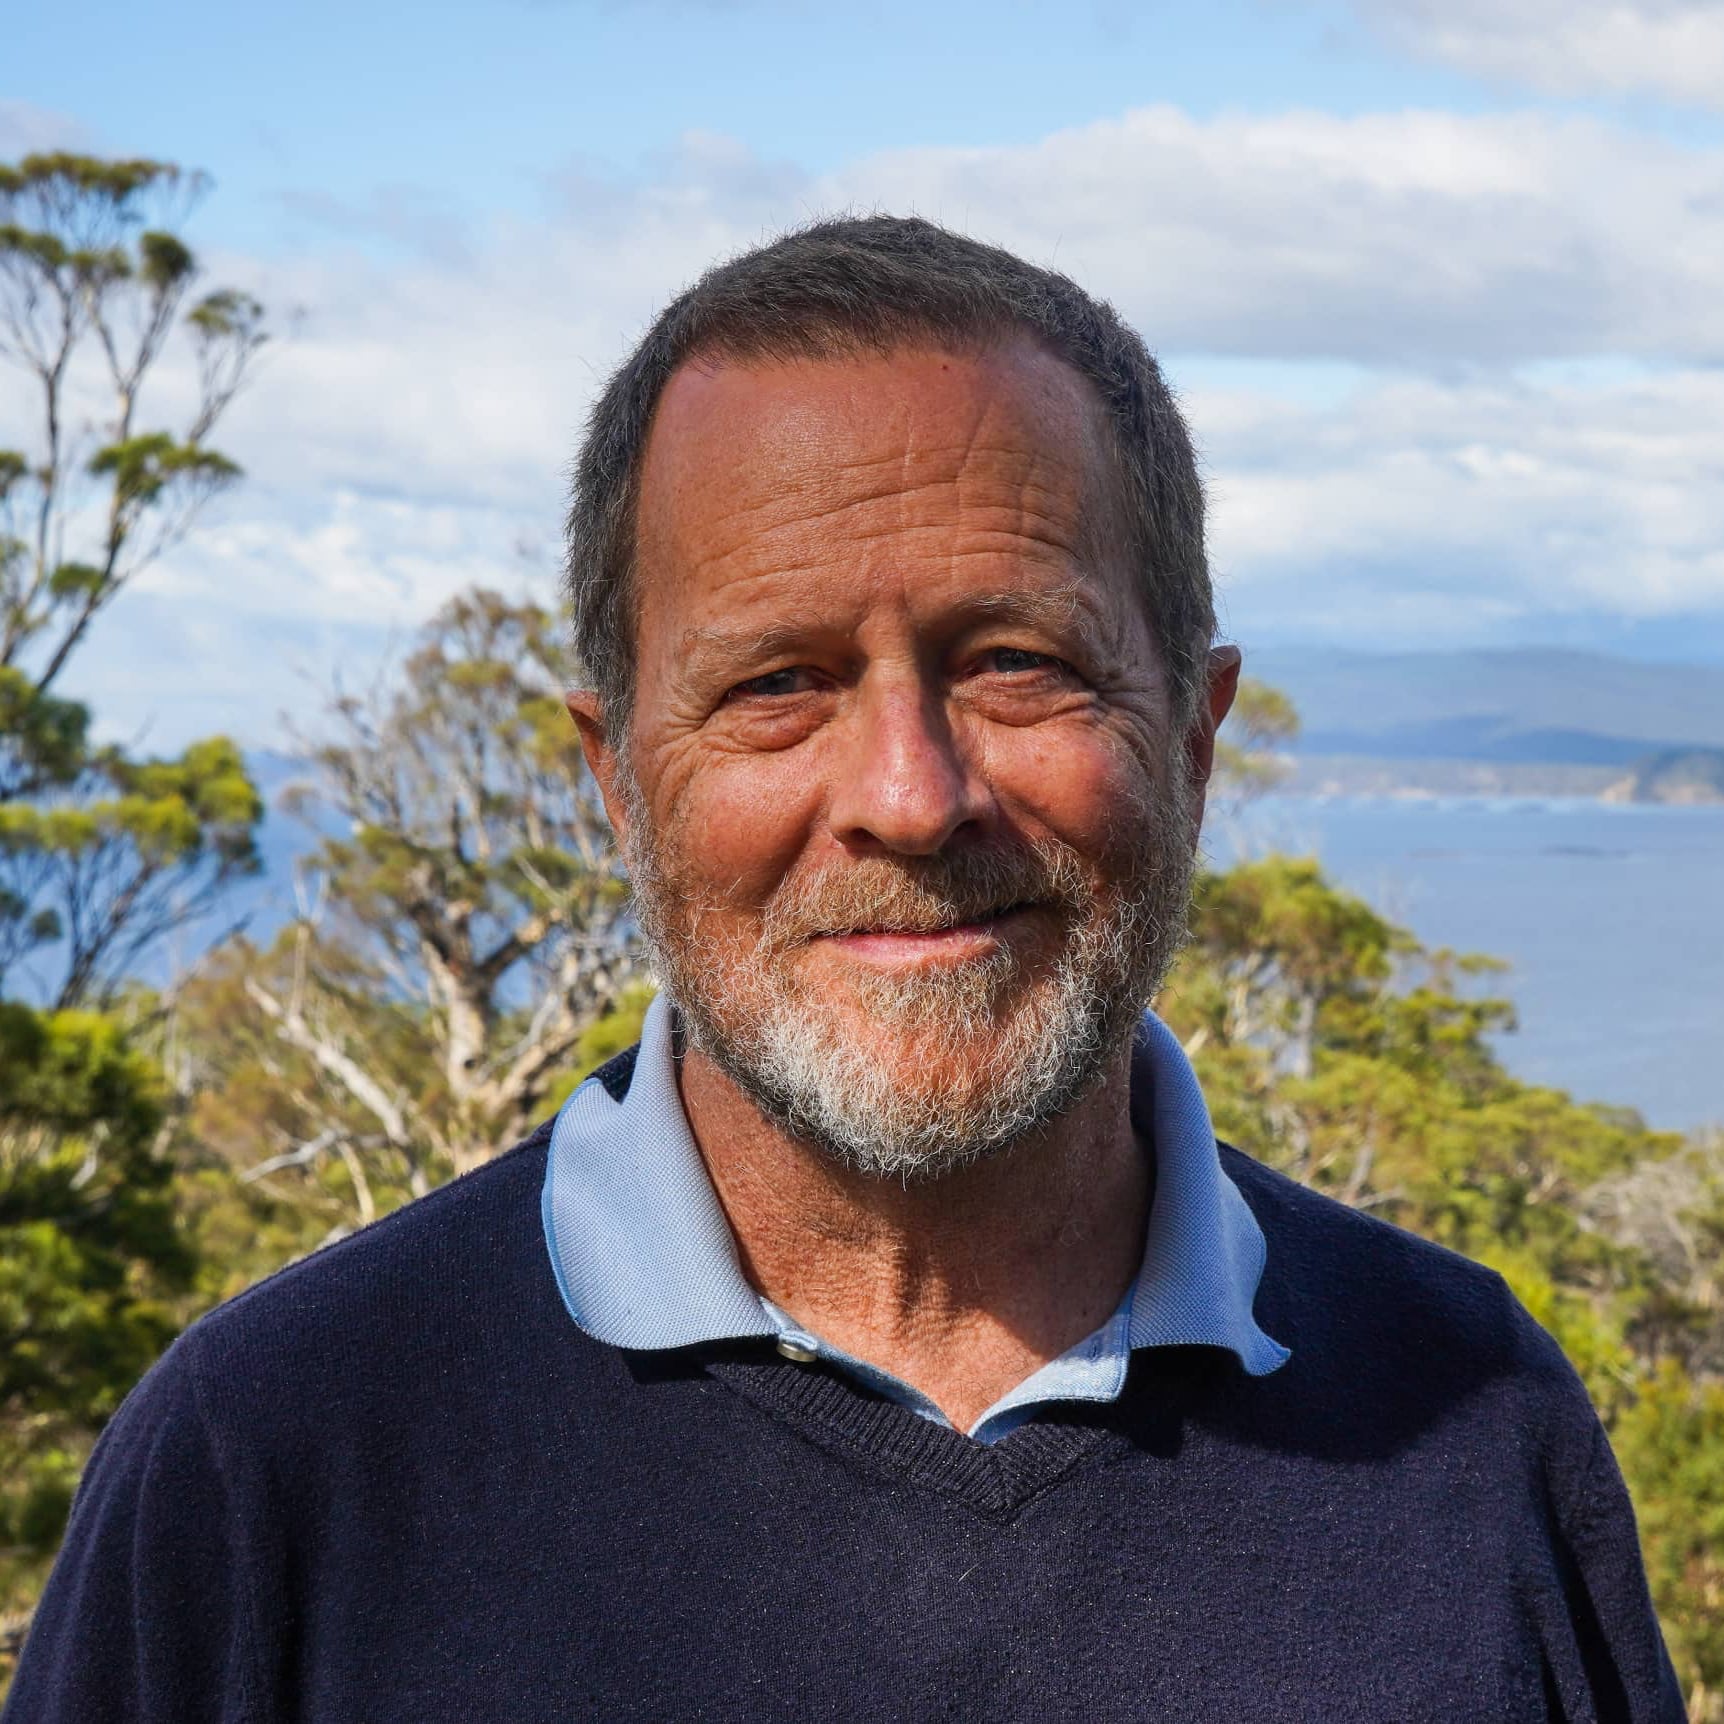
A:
{"points": [[925, 894]]}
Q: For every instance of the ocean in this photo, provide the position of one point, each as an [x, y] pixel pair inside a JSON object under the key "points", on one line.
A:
{"points": [[1610, 916]]}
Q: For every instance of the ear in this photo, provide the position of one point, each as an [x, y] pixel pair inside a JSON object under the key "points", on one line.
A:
{"points": [[601, 756], [1221, 684]]}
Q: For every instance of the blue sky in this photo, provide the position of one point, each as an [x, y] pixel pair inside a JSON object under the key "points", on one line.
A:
{"points": [[1442, 283], [472, 107]]}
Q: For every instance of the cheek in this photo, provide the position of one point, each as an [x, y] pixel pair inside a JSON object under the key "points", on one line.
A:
{"points": [[1092, 789], [737, 825]]}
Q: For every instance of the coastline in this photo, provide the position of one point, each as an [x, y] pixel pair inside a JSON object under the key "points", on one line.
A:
{"points": [[1331, 775]]}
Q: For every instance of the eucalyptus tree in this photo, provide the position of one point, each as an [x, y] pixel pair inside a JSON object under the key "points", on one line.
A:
{"points": [[101, 854], [463, 934]]}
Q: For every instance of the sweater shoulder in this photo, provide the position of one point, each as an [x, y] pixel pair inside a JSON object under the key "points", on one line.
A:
{"points": [[1320, 1235], [1369, 1302], [467, 1258]]}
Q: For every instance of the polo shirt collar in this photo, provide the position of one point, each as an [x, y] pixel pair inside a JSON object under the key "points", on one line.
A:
{"points": [[644, 1256]]}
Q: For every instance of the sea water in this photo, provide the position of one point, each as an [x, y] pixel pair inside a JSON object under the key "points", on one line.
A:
{"points": [[1610, 916]]}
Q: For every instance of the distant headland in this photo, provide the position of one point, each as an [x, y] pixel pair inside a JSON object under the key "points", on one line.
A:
{"points": [[1505, 722]]}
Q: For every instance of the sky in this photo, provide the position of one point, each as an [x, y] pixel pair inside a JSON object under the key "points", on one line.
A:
{"points": [[1440, 284]]}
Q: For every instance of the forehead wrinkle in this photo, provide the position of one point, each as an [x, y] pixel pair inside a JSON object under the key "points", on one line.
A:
{"points": [[906, 472], [903, 456], [1002, 517]]}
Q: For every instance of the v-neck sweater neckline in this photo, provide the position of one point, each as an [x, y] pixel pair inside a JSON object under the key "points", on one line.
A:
{"points": [[996, 1480]]}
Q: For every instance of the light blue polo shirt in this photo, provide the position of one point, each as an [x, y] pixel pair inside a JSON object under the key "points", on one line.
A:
{"points": [[645, 1258]]}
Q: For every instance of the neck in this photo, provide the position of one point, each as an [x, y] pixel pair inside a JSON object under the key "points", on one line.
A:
{"points": [[961, 1287]]}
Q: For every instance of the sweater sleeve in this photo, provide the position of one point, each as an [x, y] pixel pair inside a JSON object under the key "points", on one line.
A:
{"points": [[145, 1616], [1623, 1669]]}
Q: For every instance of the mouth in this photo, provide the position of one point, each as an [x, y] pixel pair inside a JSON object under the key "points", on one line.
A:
{"points": [[953, 942]]}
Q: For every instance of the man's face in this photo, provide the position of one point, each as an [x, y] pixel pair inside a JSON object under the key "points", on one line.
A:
{"points": [[909, 819]]}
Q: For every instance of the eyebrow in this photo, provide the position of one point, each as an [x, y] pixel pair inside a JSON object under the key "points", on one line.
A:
{"points": [[737, 642], [1051, 608], [1055, 608]]}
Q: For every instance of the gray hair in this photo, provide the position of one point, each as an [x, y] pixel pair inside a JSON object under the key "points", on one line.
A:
{"points": [[876, 284]]}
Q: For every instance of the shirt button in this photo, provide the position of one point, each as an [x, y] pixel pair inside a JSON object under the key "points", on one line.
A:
{"points": [[800, 1351]]}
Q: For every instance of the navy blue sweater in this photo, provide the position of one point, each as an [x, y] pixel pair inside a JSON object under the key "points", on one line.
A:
{"points": [[396, 1482]]}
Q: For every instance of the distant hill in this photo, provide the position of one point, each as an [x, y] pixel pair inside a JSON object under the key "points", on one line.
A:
{"points": [[1487, 739], [1509, 706], [1528, 721]]}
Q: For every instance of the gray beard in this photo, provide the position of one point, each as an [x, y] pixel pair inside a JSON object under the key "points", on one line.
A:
{"points": [[1018, 1048]]}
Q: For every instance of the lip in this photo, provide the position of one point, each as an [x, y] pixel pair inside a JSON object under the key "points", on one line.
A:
{"points": [[902, 948]]}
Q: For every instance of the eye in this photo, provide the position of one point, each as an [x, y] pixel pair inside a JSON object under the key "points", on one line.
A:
{"points": [[1016, 661], [793, 679]]}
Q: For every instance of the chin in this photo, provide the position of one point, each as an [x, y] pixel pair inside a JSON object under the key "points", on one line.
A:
{"points": [[934, 1064], [927, 1036], [923, 1088]]}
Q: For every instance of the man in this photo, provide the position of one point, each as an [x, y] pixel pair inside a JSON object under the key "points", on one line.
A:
{"points": [[886, 1336]]}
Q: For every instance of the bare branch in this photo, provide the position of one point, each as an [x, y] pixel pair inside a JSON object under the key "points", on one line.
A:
{"points": [[364, 1089]]}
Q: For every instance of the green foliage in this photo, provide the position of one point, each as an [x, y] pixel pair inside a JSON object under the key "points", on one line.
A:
{"points": [[62, 178], [92, 1259], [43, 739], [142, 468], [91, 287], [1670, 1442], [603, 1039], [164, 261], [105, 866], [474, 881], [1248, 752], [287, 1156], [100, 854]]}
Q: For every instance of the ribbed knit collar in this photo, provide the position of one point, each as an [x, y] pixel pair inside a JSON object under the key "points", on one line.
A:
{"points": [[645, 1258]]}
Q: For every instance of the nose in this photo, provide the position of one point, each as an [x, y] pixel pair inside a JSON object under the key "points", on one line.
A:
{"points": [[903, 784]]}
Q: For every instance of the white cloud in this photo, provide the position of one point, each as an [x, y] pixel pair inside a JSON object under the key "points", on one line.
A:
{"points": [[365, 562], [1471, 512], [420, 420], [1668, 48], [1410, 239], [1413, 238]]}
